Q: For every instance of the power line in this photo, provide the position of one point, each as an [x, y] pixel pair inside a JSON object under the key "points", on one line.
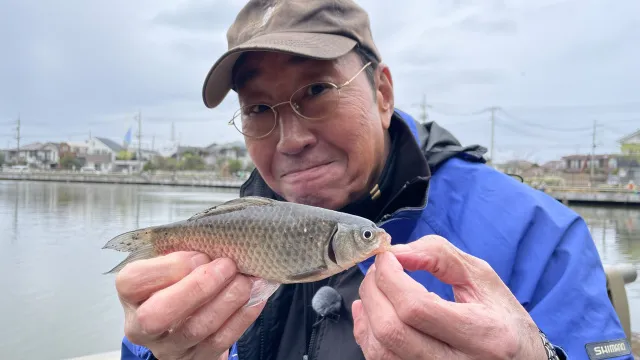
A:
{"points": [[619, 107], [534, 125], [449, 113], [590, 107]]}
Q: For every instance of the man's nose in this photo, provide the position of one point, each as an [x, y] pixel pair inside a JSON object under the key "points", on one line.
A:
{"points": [[295, 135]]}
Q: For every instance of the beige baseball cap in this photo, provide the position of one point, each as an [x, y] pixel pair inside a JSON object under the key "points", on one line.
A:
{"points": [[320, 29]]}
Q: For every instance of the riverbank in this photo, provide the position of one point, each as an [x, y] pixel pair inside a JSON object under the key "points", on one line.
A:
{"points": [[568, 195], [166, 179], [595, 195]]}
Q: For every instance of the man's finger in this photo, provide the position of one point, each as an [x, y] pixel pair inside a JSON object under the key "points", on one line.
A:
{"points": [[393, 333], [139, 279], [437, 256], [431, 315], [371, 347], [168, 307], [211, 316], [447, 263], [229, 333]]}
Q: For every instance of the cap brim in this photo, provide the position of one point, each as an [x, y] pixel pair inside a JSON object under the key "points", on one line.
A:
{"points": [[314, 45]]}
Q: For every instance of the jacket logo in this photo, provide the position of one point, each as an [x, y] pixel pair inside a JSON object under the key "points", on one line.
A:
{"points": [[608, 349]]}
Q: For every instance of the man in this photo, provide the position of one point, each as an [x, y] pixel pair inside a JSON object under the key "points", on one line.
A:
{"points": [[483, 267]]}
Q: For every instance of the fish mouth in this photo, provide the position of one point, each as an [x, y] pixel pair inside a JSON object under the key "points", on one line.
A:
{"points": [[386, 241], [385, 245]]}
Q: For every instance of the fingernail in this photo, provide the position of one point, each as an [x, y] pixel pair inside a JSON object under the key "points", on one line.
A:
{"points": [[199, 259], [401, 248], [356, 309]]}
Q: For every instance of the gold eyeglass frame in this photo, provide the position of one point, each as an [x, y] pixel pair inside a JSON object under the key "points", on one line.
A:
{"points": [[294, 106]]}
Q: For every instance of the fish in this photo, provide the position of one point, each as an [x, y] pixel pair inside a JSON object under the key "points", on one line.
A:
{"points": [[273, 242]]}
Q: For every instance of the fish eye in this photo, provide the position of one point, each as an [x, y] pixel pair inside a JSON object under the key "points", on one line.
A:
{"points": [[367, 234]]}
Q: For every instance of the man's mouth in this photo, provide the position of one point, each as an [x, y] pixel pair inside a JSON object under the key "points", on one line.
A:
{"points": [[303, 169]]}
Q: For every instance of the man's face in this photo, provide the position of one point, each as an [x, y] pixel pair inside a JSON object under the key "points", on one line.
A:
{"points": [[327, 162]]}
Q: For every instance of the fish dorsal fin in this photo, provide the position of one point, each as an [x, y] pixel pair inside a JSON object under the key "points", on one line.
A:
{"points": [[233, 205]]}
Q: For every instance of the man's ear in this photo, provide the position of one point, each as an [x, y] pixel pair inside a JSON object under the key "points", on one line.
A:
{"points": [[384, 94]]}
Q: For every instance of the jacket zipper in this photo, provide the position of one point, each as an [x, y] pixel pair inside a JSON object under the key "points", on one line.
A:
{"points": [[311, 344], [310, 355]]}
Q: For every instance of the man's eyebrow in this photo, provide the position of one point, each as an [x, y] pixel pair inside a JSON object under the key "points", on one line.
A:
{"points": [[242, 78], [245, 76], [298, 60]]}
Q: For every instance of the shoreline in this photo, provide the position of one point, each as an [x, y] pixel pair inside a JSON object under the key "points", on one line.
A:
{"points": [[164, 180], [566, 195]]}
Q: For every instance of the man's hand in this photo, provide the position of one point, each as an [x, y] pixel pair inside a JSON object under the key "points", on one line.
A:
{"points": [[185, 306], [397, 318]]}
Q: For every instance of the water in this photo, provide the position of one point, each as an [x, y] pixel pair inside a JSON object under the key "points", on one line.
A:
{"points": [[55, 302]]}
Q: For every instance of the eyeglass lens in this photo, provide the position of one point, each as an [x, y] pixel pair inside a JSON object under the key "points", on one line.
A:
{"points": [[312, 102]]}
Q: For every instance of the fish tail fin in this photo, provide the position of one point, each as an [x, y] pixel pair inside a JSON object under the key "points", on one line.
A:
{"points": [[139, 242]]}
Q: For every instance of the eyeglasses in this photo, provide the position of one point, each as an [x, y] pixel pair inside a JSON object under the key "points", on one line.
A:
{"points": [[314, 101]]}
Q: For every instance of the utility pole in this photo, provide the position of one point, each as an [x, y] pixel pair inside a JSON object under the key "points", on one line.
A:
{"points": [[593, 152], [423, 106], [173, 132], [18, 136], [153, 142], [140, 139], [493, 133]]}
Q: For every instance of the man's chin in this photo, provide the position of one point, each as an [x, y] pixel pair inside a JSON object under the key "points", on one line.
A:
{"points": [[325, 198]]}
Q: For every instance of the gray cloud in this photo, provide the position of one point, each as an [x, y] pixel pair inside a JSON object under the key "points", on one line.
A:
{"points": [[489, 26], [78, 66], [198, 15]]}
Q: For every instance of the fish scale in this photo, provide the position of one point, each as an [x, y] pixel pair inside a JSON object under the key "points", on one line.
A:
{"points": [[274, 242]]}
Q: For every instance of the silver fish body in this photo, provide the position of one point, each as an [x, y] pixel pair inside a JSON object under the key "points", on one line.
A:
{"points": [[275, 242]]}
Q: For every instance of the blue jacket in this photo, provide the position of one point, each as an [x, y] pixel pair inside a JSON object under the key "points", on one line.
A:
{"points": [[541, 249]]}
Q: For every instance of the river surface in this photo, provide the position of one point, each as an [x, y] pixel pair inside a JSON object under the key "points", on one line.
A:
{"points": [[56, 303]]}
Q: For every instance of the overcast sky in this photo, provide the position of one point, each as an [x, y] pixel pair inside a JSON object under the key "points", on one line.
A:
{"points": [[75, 67]]}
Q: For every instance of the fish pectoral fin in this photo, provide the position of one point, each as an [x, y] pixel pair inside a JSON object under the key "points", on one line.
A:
{"points": [[232, 205], [261, 291], [307, 273]]}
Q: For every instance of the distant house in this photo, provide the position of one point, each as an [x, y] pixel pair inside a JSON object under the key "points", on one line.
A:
{"points": [[616, 168], [630, 144], [78, 148], [555, 165], [212, 153], [107, 155], [101, 154], [582, 163], [36, 155], [521, 167], [195, 150], [233, 150]]}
